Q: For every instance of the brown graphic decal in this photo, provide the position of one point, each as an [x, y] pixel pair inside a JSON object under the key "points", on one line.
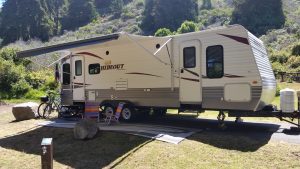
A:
{"points": [[89, 54], [146, 74], [236, 38]]}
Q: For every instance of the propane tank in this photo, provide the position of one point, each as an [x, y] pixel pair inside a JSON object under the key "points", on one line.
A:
{"points": [[287, 100]]}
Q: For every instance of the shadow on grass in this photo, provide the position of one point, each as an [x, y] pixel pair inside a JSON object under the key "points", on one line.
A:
{"points": [[242, 137], [95, 153]]}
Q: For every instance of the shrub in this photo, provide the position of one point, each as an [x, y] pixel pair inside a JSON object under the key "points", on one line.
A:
{"points": [[296, 50], [277, 67], [187, 26], [163, 32], [281, 57], [34, 94], [19, 89], [293, 62], [278, 90]]}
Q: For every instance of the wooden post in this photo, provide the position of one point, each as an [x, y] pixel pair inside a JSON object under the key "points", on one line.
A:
{"points": [[47, 153]]}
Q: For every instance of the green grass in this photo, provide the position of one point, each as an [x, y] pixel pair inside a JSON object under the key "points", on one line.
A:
{"points": [[20, 148], [17, 101]]}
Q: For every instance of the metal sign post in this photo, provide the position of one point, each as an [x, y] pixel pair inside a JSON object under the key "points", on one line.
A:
{"points": [[47, 153]]}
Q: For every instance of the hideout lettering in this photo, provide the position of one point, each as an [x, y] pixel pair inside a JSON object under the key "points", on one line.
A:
{"points": [[112, 67]]}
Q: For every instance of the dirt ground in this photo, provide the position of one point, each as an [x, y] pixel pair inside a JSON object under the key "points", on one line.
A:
{"points": [[5, 108]]}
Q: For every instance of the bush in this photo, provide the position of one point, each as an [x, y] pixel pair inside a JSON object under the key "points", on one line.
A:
{"points": [[36, 79], [19, 89], [163, 32], [50, 84], [34, 94], [296, 50], [278, 67], [187, 26], [293, 62], [278, 90], [281, 57]]}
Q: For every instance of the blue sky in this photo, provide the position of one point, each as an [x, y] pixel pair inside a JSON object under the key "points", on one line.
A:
{"points": [[1, 2]]}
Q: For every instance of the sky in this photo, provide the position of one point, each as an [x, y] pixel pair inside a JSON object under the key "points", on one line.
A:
{"points": [[1, 2]]}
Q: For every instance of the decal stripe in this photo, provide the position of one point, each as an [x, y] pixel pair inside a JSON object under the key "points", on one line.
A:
{"points": [[194, 73], [146, 74], [89, 54], [236, 38], [232, 76], [189, 79], [226, 75]]}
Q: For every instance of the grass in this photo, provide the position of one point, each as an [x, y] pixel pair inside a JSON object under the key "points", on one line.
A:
{"points": [[20, 148], [17, 101]]}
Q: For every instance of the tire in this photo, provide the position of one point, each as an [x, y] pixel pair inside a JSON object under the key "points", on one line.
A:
{"points": [[41, 108], [128, 114], [47, 111], [108, 110]]}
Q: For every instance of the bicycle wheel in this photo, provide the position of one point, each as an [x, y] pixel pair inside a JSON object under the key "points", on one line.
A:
{"points": [[41, 109], [47, 111]]}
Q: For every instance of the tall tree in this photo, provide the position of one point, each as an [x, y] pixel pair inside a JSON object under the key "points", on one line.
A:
{"points": [[258, 16], [57, 10], [206, 4], [24, 20], [80, 13], [168, 14]]}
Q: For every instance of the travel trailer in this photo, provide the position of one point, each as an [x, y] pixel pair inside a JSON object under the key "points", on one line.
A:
{"points": [[224, 69]]}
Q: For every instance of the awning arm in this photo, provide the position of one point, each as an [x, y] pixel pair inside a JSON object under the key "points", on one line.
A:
{"points": [[59, 59], [158, 50], [148, 51]]}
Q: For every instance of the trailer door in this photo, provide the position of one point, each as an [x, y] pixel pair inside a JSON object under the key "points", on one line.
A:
{"points": [[190, 72], [78, 78]]}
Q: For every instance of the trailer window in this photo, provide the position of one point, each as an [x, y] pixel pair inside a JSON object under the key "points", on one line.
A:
{"points": [[66, 74], [215, 61], [94, 69], [189, 57], [78, 67]]}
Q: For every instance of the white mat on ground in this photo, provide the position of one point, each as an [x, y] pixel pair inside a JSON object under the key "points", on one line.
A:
{"points": [[159, 132]]}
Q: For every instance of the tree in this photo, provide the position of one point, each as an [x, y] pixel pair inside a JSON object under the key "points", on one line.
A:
{"points": [[167, 14], [206, 4], [57, 10], [258, 16], [187, 26], [163, 32], [80, 13], [25, 20], [116, 7]]}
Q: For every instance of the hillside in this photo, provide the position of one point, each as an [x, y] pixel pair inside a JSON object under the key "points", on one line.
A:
{"points": [[280, 30]]}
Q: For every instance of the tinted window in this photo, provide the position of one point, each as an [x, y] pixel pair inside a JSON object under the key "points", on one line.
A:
{"points": [[78, 67], [189, 57], [94, 69], [66, 74], [215, 61]]}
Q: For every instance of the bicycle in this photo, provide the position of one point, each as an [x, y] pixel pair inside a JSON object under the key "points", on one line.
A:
{"points": [[49, 104]]}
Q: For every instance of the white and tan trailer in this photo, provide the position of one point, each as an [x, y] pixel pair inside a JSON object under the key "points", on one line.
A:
{"points": [[224, 69]]}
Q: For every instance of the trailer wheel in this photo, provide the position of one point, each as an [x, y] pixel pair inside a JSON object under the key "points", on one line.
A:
{"points": [[109, 110], [128, 114]]}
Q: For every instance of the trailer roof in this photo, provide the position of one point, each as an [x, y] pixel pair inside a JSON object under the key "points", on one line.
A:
{"points": [[68, 45]]}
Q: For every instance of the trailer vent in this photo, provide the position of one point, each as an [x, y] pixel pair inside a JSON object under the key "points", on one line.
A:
{"points": [[122, 84]]}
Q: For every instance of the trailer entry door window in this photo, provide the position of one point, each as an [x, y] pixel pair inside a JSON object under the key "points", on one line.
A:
{"points": [[78, 67], [215, 61], [189, 57], [94, 69], [66, 74]]}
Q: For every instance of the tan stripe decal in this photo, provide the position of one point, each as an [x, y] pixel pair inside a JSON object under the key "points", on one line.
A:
{"points": [[146, 74], [89, 54]]}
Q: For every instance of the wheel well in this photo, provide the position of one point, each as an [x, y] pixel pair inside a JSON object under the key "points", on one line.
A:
{"points": [[115, 103]]}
